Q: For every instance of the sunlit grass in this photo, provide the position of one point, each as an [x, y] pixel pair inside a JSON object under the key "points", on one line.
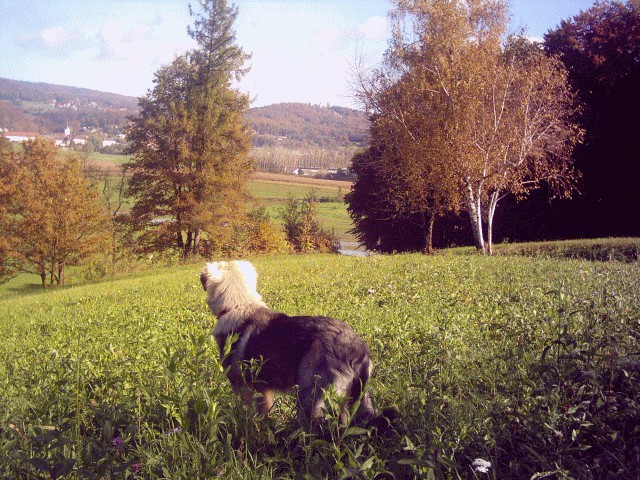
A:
{"points": [[529, 363]]}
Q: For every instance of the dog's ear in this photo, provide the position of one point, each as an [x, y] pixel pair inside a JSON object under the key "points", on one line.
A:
{"points": [[204, 277]]}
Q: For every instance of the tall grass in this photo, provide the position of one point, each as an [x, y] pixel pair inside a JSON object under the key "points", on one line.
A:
{"points": [[530, 364]]}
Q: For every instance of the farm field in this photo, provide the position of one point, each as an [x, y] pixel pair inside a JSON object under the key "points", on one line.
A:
{"points": [[530, 364], [273, 190]]}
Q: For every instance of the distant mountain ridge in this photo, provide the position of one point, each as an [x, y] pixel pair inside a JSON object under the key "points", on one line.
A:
{"points": [[17, 90], [48, 108]]}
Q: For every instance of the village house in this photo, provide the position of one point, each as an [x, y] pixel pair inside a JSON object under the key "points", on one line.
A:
{"points": [[59, 139], [20, 136]]}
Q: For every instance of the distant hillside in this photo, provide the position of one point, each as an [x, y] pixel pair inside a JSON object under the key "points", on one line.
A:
{"points": [[300, 124], [47, 108]]}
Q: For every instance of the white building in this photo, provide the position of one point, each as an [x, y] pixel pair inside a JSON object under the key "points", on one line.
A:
{"points": [[20, 136]]}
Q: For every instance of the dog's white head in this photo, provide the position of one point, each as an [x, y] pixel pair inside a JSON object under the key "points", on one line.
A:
{"points": [[230, 285]]}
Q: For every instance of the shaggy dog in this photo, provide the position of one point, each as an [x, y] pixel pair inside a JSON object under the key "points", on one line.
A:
{"points": [[308, 352]]}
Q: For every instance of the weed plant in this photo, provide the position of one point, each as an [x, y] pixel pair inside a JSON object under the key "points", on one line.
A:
{"points": [[531, 365]]}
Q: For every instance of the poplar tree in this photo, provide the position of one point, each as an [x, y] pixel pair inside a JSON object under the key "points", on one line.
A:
{"points": [[190, 142]]}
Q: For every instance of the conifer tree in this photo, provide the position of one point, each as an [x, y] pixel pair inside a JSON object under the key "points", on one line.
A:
{"points": [[190, 142]]}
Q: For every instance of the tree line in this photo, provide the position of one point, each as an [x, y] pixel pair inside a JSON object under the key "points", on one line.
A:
{"points": [[186, 179], [464, 120]]}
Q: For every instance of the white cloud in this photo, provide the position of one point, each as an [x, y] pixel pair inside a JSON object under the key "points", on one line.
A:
{"points": [[56, 41], [139, 42], [54, 38]]}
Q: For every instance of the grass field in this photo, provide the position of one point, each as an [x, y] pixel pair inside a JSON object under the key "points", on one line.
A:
{"points": [[531, 364], [273, 190]]}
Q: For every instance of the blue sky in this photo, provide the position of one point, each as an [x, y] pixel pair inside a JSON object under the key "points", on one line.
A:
{"points": [[302, 50]]}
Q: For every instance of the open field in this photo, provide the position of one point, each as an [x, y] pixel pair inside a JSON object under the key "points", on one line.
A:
{"points": [[531, 364], [271, 190]]}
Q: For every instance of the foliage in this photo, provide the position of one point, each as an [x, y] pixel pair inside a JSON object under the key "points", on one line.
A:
{"points": [[190, 141], [302, 228], [600, 48], [51, 217], [263, 236], [256, 235], [461, 119], [601, 249], [529, 364], [377, 222], [13, 118], [7, 191], [299, 125]]}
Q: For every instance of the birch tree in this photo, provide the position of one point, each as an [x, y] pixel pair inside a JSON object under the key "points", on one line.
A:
{"points": [[479, 116]]}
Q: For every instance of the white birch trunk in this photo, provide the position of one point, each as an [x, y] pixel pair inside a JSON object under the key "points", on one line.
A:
{"points": [[493, 203], [475, 215]]}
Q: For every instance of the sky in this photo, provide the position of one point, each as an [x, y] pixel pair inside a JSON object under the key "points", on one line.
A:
{"points": [[302, 51]]}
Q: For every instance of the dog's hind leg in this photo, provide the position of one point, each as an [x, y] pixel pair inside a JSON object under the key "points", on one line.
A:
{"points": [[311, 401], [264, 402], [366, 409]]}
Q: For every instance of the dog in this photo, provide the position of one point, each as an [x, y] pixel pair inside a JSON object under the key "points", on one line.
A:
{"points": [[307, 352]]}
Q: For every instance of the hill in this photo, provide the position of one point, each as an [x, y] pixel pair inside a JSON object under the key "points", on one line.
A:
{"points": [[300, 124], [47, 108], [20, 91]]}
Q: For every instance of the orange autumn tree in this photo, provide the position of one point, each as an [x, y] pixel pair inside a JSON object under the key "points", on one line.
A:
{"points": [[51, 216], [476, 117]]}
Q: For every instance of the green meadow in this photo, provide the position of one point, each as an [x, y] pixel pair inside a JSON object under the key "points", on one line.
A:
{"points": [[332, 211], [272, 191], [530, 364]]}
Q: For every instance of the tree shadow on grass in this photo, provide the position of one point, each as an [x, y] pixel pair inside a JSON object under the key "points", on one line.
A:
{"points": [[20, 285]]}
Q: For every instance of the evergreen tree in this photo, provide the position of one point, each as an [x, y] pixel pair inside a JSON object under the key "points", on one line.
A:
{"points": [[190, 142]]}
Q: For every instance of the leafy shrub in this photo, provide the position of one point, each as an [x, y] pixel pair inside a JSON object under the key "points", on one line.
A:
{"points": [[604, 250], [263, 236], [302, 228]]}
